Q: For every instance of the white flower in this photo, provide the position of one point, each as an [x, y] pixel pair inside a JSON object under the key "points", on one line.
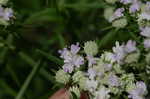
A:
{"points": [[139, 91], [130, 46], [144, 16], [117, 69], [135, 7], [68, 68], [8, 13], [133, 57], [91, 85], [108, 12], [91, 60], [119, 52], [78, 76], [142, 87], [147, 43], [117, 14], [90, 48], [113, 80], [80, 79], [102, 93], [82, 83], [145, 32], [62, 77], [5, 15], [71, 58], [127, 78], [130, 86], [108, 57], [100, 68], [91, 73], [120, 23]]}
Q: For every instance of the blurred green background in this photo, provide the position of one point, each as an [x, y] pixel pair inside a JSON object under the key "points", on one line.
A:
{"points": [[29, 47]]}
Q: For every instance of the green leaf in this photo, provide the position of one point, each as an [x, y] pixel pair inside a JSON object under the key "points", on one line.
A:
{"points": [[32, 63], [108, 38], [50, 57], [46, 15], [28, 80]]}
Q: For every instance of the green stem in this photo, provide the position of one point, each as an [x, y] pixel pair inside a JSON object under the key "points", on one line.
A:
{"points": [[134, 37], [27, 81], [13, 75], [108, 38], [107, 28], [31, 63], [50, 57]]}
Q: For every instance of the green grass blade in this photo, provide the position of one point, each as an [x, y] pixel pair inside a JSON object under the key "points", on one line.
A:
{"points": [[27, 81]]}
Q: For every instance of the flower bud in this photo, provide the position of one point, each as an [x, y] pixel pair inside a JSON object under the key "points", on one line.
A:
{"points": [[91, 48]]}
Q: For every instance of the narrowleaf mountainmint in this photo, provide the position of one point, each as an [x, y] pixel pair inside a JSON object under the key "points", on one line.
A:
{"points": [[116, 72], [91, 48], [120, 23], [62, 77], [138, 10], [71, 58], [5, 13], [103, 77]]}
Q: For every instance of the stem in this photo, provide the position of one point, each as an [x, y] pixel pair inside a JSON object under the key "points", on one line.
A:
{"points": [[13, 75], [31, 63], [107, 28], [28, 80], [50, 57]]}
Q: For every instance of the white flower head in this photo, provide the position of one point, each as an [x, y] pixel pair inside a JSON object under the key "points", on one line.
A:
{"points": [[71, 59], [102, 93], [113, 80], [120, 23], [91, 48], [130, 46], [5, 15], [145, 32], [139, 91], [62, 77], [119, 52], [91, 85], [108, 13], [78, 76], [108, 57], [91, 73], [147, 43], [132, 58]]}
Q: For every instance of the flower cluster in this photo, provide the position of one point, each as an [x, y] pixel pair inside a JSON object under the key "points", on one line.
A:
{"points": [[108, 75], [102, 76], [5, 13], [138, 10]]}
